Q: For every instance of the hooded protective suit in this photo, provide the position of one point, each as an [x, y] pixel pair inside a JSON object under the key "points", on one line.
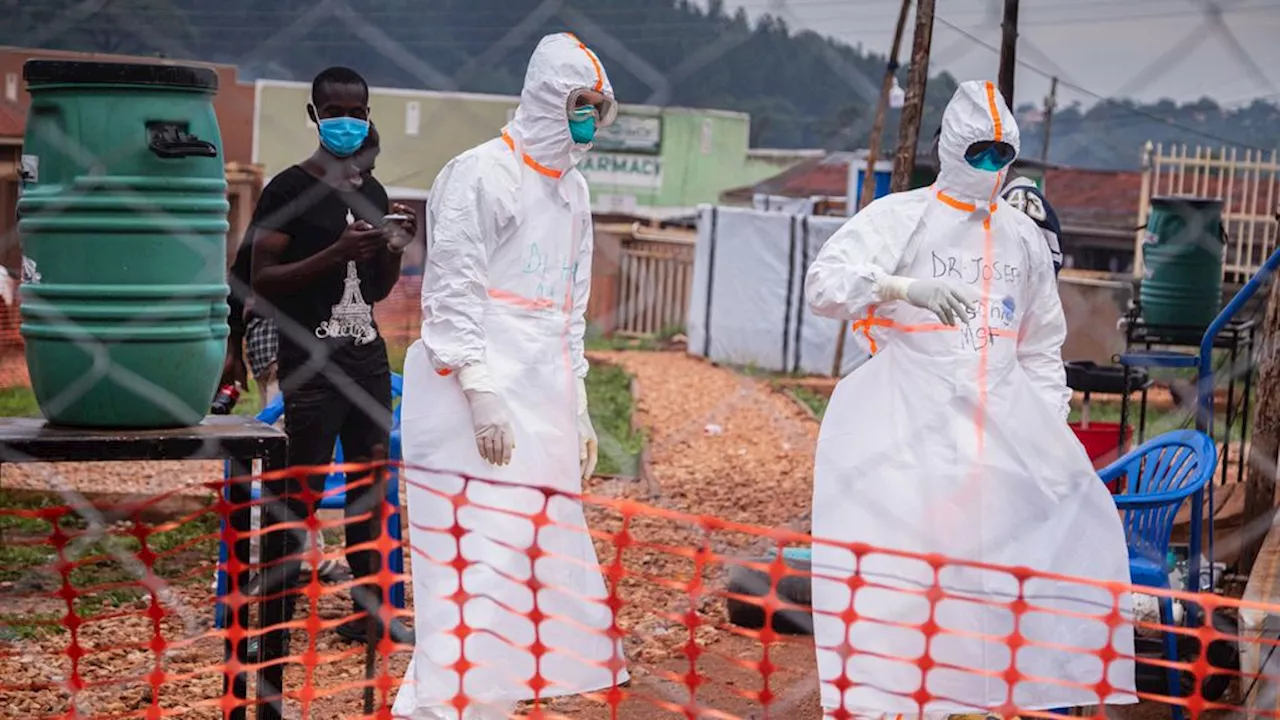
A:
{"points": [[505, 287], [952, 439]]}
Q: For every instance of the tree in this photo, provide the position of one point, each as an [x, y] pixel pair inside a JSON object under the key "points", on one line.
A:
{"points": [[134, 27]]}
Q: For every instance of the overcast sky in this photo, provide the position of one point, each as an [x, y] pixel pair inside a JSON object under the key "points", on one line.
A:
{"points": [[1147, 49]]}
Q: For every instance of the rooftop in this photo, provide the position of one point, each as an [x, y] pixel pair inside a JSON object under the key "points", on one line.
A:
{"points": [[826, 176], [1105, 199], [1084, 199]]}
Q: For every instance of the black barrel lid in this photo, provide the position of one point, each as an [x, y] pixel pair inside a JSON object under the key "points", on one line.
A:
{"points": [[49, 72], [1187, 201]]}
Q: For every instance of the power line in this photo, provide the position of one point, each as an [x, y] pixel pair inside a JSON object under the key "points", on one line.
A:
{"points": [[1103, 98], [1036, 16]]}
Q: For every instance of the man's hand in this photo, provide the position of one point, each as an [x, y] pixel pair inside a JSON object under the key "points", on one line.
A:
{"points": [[233, 369], [951, 302], [360, 241], [495, 438], [410, 226], [400, 233]]}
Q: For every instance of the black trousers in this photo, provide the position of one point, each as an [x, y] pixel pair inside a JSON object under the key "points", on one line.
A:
{"points": [[317, 414]]}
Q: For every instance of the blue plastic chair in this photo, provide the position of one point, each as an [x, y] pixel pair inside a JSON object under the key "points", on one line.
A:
{"points": [[1158, 477], [336, 499]]}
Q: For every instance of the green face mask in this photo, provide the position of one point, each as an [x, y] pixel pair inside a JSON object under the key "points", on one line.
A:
{"points": [[582, 125]]}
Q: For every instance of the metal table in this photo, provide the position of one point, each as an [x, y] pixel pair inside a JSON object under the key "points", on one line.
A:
{"points": [[240, 440], [1171, 348]]}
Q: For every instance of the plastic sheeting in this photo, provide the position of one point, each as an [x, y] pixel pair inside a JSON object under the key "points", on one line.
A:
{"points": [[783, 204], [747, 306]]}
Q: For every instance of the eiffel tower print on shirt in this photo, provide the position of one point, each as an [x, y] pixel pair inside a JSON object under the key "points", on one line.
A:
{"points": [[351, 317]]}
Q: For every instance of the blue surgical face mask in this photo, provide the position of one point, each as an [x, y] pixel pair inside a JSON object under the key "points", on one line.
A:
{"points": [[343, 136], [582, 125]]}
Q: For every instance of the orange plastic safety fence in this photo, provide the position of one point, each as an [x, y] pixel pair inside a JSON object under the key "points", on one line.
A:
{"points": [[114, 616]]}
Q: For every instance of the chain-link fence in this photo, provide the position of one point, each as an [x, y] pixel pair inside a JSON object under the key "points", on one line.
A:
{"points": [[147, 588]]}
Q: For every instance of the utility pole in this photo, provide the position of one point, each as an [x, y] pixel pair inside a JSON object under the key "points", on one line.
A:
{"points": [[1050, 103], [1008, 50], [1264, 445], [877, 126], [904, 161], [873, 152]]}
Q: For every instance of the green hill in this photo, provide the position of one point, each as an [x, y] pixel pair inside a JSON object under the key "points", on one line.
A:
{"points": [[802, 89]]}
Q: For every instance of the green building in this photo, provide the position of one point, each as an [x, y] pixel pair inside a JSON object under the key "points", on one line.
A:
{"points": [[654, 162]]}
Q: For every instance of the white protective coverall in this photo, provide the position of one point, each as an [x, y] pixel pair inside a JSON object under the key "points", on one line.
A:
{"points": [[953, 440], [506, 283]]}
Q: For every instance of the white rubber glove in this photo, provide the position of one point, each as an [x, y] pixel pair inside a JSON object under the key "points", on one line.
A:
{"points": [[951, 302], [495, 437], [588, 443]]}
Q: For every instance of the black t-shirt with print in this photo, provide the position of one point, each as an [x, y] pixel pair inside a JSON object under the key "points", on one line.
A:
{"points": [[335, 314]]}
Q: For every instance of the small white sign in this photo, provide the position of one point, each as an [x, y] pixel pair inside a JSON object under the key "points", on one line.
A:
{"points": [[706, 136], [628, 133], [30, 169], [642, 171], [631, 133], [30, 275]]}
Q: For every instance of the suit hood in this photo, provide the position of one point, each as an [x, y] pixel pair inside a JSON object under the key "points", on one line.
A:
{"points": [[560, 66], [976, 113]]}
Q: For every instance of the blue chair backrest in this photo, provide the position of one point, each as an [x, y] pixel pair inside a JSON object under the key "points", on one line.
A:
{"points": [[1160, 475]]}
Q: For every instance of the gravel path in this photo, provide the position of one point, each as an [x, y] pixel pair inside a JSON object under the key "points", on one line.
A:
{"points": [[146, 479], [725, 446]]}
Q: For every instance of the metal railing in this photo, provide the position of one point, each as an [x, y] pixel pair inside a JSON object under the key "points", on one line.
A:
{"points": [[654, 284]]}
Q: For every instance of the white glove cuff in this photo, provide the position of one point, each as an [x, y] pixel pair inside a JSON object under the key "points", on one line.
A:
{"points": [[893, 287], [476, 378], [582, 396]]}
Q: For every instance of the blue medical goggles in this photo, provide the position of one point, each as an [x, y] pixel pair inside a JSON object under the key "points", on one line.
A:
{"points": [[990, 155]]}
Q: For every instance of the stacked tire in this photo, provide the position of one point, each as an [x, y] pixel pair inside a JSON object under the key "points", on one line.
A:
{"points": [[752, 602]]}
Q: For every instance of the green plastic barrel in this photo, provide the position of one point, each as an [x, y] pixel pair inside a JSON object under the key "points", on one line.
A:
{"points": [[123, 222], [1182, 264]]}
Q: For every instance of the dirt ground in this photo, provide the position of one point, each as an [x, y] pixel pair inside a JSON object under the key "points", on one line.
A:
{"points": [[720, 444]]}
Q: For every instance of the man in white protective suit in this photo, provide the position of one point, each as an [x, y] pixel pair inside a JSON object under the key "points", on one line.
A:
{"points": [[497, 437], [950, 447]]}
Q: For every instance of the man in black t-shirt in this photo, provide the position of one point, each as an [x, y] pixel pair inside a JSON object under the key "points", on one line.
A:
{"points": [[321, 257], [253, 338]]}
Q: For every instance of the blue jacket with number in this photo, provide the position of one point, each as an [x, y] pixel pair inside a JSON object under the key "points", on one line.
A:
{"points": [[1024, 195]]}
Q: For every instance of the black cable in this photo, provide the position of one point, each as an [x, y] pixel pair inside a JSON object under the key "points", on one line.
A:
{"points": [[1100, 97], [1261, 665]]}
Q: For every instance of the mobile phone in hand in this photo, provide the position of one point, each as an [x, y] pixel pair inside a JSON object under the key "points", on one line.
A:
{"points": [[398, 239]]}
